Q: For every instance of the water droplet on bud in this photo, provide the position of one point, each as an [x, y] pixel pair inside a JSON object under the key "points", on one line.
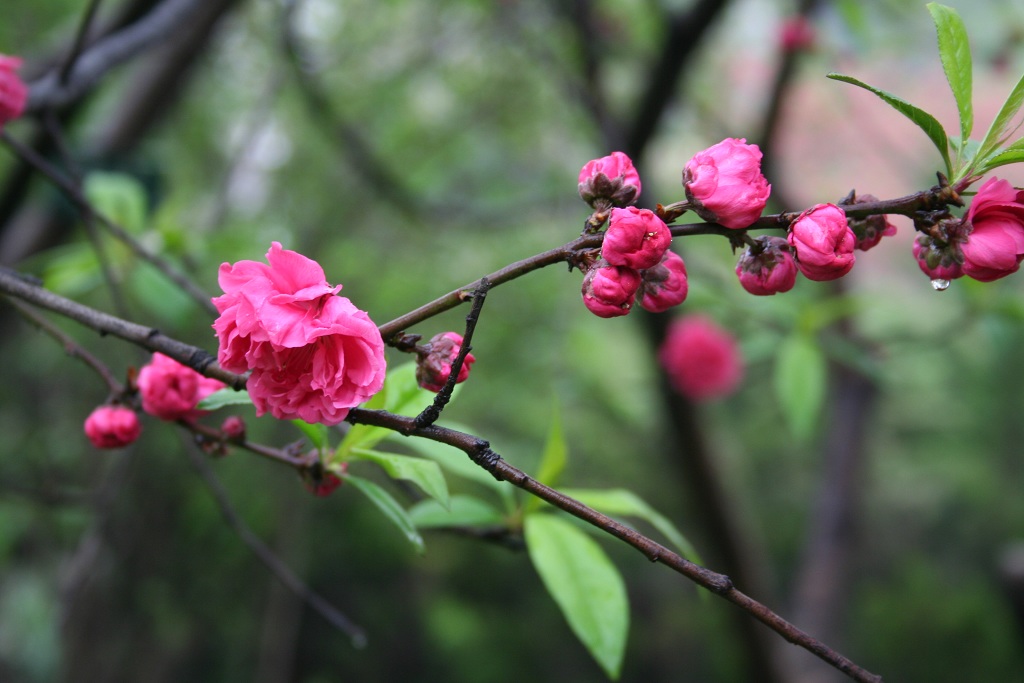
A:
{"points": [[940, 285]]}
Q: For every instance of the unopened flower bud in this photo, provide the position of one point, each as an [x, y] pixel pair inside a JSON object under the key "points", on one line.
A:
{"points": [[823, 242], [434, 367], [938, 260], [636, 238], [796, 33], [725, 185], [869, 231], [702, 360], [665, 285], [321, 482], [233, 427], [112, 426], [612, 178], [768, 268], [609, 291]]}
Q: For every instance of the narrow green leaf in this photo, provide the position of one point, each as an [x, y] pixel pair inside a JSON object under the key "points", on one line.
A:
{"points": [[800, 383], [1004, 158], [424, 473], [585, 585], [556, 452], [925, 121], [999, 130], [316, 433], [391, 509], [463, 510], [225, 397], [622, 502], [955, 53]]}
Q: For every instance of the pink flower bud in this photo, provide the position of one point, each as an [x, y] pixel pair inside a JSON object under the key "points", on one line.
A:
{"points": [[636, 238], [994, 226], [434, 367], [112, 426], [767, 269], [664, 285], [13, 91], [612, 178], [609, 291], [823, 242], [320, 482], [938, 261], [170, 390], [702, 360], [796, 33], [870, 231], [233, 427], [724, 183]]}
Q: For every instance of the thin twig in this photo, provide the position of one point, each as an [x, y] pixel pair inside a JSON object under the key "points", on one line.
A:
{"points": [[479, 452], [433, 411], [264, 554], [76, 196], [80, 38]]}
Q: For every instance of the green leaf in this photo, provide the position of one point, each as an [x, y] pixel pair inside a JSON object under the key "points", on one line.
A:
{"points": [[925, 121], [1004, 158], [424, 473], [463, 510], [800, 375], [316, 433], [997, 132], [622, 502], [955, 53], [585, 585], [391, 509], [556, 453], [119, 197], [225, 397]]}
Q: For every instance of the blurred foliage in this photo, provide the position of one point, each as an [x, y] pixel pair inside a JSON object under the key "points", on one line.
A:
{"points": [[118, 566]]}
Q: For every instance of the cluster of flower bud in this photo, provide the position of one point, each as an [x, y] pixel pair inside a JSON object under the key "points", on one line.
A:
{"points": [[434, 361]]}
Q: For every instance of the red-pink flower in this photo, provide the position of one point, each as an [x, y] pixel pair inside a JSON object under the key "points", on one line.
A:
{"points": [[823, 242], [13, 91], [724, 183], [796, 33], [170, 391], [434, 367], [636, 238], [665, 285], [612, 178], [702, 359], [112, 426], [995, 232], [768, 268], [233, 427], [609, 291], [313, 354]]}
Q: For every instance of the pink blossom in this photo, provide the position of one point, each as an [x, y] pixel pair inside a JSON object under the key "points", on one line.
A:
{"points": [[233, 427], [313, 355], [112, 426], [725, 185], [13, 91], [665, 285], [937, 261], [767, 269], [702, 360], [823, 242], [994, 226], [170, 391], [636, 238], [612, 178], [796, 33], [870, 231], [609, 291], [434, 367]]}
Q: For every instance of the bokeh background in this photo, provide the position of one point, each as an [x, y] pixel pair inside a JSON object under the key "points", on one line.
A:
{"points": [[411, 147]]}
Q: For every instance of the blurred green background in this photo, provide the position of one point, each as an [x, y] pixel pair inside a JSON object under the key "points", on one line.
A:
{"points": [[411, 147]]}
